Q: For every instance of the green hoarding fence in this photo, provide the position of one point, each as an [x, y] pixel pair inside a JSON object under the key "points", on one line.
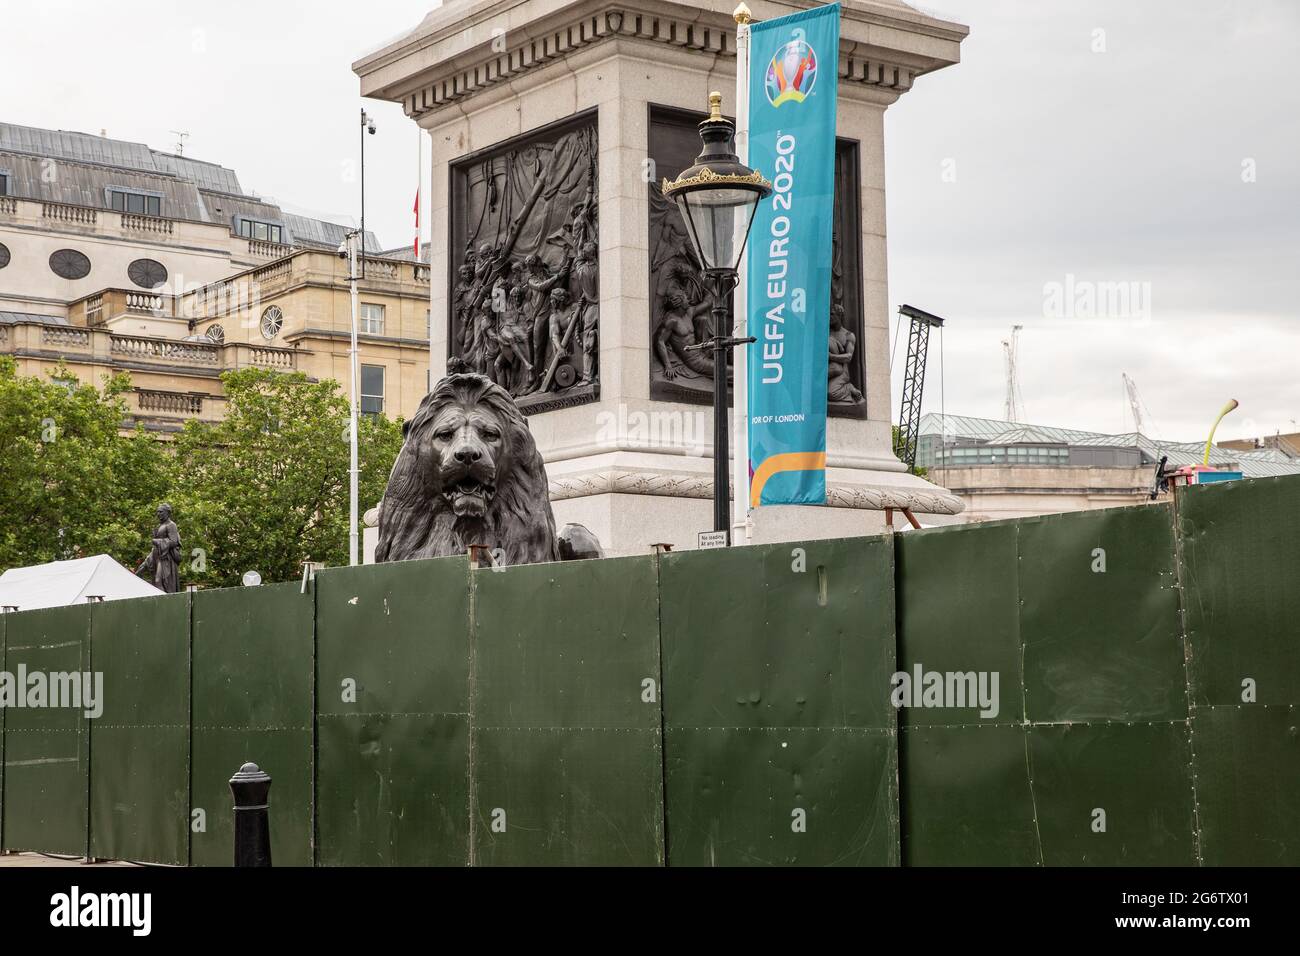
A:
{"points": [[566, 760], [1240, 568], [251, 688], [777, 750], [1115, 687], [393, 701], [47, 749], [1087, 759], [140, 743]]}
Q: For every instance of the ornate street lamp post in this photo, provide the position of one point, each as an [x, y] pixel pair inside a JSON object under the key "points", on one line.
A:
{"points": [[717, 198]]}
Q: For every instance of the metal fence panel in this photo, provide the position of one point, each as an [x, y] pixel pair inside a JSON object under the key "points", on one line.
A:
{"points": [[1099, 616], [964, 778], [47, 754], [967, 799], [252, 701], [959, 612], [1078, 617], [1114, 794], [780, 739], [1248, 784], [3, 628], [393, 692], [567, 761], [140, 743], [1240, 549], [1239, 565]]}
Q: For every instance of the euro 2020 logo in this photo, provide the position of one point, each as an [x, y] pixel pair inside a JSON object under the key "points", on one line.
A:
{"points": [[792, 72]]}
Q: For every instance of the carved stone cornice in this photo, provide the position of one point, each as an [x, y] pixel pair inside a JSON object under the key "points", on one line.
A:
{"points": [[468, 47], [619, 481]]}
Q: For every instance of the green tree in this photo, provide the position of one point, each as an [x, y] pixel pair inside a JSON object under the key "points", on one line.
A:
{"points": [[921, 471], [71, 484], [267, 487]]}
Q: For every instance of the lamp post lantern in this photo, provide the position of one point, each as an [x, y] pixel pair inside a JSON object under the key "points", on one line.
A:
{"points": [[717, 198]]}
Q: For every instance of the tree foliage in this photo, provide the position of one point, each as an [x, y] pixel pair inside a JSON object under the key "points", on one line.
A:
{"points": [[267, 487], [71, 485], [264, 489]]}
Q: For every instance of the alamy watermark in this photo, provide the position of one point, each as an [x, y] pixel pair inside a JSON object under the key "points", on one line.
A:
{"points": [[676, 429], [1077, 298], [73, 690], [926, 689]]}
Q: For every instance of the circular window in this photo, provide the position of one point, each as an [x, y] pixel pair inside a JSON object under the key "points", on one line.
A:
{"points": [[216, 333], [272, 320], [4, 255], [146, 273], [69, 264]]}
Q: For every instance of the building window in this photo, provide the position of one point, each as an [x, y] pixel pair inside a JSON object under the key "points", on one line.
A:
{"points": [[261, 231], [4, 255], [4, 184], [372, 389], [372, 318], [272, 322], [69, 264], [139, 204], [428, 323], [147, 273], [217, 334]]}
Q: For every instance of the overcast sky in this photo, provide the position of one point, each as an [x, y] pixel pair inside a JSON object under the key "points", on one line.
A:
{"points": [[1122, 166], [1052, 150]]}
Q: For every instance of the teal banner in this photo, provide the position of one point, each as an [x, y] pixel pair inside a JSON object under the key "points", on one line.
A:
{"points": [[794, 66]]}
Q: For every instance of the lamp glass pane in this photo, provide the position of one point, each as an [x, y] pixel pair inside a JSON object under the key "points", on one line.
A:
{"points": [[719, 220]]}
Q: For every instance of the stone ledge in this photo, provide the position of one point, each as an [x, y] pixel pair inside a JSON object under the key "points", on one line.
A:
{"points": [[893, 491]]}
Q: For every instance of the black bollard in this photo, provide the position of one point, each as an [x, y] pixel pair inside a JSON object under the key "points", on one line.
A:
{"points": [[251, 788]]}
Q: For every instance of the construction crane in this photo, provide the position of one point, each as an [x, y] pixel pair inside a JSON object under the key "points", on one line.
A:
{"points": [[1015, 403], [909, 411], [1134, 403]]}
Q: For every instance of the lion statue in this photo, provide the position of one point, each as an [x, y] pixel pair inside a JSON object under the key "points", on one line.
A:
{"points": [[468, 473]]}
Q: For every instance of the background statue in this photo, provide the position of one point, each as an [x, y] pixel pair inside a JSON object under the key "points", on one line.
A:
{"points": [[164, 558]]}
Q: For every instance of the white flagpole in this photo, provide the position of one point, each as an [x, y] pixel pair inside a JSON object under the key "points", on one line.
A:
{"points": [[740, 414]]}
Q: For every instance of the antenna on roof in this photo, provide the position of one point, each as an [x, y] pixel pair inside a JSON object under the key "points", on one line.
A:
{"points": [[181, 137]]}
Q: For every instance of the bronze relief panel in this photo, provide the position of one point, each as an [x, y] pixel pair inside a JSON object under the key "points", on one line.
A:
{"points": [[524, 304]]}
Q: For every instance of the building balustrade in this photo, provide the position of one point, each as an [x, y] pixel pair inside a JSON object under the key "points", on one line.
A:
{"points": [[93, 308], [138, 223], [61, 212], [379, 269], [144, 302], [193, 353], [172, 403], [268, 250], [63, 335]]}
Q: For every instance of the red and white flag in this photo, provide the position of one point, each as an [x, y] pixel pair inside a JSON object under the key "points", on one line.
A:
{"points": [[417, 223]]}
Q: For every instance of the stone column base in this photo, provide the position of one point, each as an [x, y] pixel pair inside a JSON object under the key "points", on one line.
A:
{"points": [[632, 501]]}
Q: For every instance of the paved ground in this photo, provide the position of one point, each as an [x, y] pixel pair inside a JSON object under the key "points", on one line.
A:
{"points": [[36, 859]]}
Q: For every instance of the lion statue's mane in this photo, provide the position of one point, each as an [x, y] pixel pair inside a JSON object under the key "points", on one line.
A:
{"points": [[418, 514]]}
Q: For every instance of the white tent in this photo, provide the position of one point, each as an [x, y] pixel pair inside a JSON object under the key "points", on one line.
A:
{"points": [[70, 582]]}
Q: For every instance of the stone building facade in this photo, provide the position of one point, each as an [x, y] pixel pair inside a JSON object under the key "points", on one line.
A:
{"points": [[117, 257]]}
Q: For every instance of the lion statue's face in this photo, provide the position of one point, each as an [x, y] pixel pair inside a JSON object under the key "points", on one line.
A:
{"points": [[468, 473], [465, 444]]}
